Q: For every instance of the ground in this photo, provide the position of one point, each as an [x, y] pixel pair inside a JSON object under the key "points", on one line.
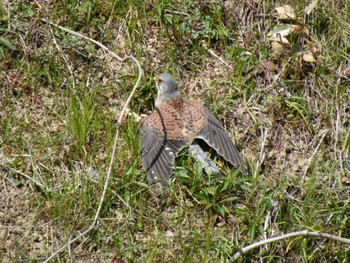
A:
{"points": [[275, 74]]}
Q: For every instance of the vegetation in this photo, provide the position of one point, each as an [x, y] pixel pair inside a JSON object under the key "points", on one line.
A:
{"points": [[278, 79]]}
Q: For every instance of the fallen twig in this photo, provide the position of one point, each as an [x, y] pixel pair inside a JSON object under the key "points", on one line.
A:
{"points": [[285, 236], [92, 225]]}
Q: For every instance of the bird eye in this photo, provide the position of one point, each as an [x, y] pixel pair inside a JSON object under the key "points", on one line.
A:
{"points": [[157, 79]]}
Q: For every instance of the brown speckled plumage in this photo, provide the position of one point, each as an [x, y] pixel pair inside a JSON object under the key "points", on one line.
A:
{"points": [[174, 124]]}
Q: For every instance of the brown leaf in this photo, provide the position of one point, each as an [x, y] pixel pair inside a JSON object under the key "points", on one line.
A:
{"points": [[284, 12], [346, 180], [309, 57], [277, 48]]}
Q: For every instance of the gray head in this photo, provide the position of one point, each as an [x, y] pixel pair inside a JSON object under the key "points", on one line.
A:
{"points": [[167, 87]]}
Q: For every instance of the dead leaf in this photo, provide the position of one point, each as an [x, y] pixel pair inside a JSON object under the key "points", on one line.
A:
{"points": [[277, 48], [309, 57], [284, 12], [346, 180]]}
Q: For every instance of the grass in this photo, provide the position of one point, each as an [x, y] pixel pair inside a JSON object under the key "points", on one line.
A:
{"points": [[61, 97]]}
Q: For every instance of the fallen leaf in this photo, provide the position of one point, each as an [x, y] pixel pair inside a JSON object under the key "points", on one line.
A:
{"points": [[277, 48], [346, 180], [284, 12], [309, 57]]}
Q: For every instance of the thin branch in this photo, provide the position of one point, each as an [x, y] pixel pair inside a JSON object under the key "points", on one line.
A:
{"points": [[116, 135], [91, 40], [293, 234]]}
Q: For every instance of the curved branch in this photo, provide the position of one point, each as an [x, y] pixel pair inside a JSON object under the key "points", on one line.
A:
{"points": [[293, 234], [92, 225]]}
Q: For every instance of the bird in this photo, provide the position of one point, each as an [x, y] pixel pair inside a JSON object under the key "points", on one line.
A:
{"points": [[177, 123]]}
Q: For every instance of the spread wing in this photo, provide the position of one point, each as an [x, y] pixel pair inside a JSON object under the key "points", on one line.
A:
{"points": [[216, 137], [158, 152]]}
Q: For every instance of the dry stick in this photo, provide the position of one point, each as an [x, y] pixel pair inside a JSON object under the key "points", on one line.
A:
{"points": [[293, 234], [116, 135]]}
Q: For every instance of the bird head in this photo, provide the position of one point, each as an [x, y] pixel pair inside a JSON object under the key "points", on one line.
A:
{"points": [[167, 87]]}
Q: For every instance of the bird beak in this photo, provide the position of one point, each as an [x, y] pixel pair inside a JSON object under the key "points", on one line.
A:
{"points": [[157, 80]]}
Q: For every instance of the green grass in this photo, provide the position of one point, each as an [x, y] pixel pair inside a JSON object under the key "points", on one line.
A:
{"points": [[61, 96]]}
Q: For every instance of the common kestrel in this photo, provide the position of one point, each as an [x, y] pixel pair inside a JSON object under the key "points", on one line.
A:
{"points": [[175, 124]]}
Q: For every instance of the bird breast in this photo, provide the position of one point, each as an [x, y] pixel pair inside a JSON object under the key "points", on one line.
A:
{"points": [[180, 119]]}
